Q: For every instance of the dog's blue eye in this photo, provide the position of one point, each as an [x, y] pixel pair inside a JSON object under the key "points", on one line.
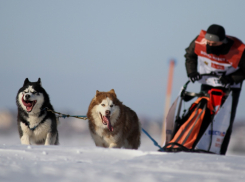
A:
{"points": [[103, 105], [34, 92], [111, 105]]}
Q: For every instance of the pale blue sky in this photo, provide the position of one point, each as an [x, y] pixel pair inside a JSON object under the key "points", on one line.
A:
{"points": [[77, 47]]}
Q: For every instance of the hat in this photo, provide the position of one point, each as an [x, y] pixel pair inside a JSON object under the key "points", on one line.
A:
{"points": [[216, 33]]}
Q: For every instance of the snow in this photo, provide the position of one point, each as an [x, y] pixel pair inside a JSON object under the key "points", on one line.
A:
{"points": [[77, 159], [65, 163]]}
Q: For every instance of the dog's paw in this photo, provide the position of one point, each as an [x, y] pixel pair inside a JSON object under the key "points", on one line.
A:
{"points": [[113, 145], [25, 140]]}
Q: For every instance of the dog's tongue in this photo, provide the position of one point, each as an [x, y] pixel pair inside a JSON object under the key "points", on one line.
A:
{"points": [[108, 122], [29, 108], [28, 104]]}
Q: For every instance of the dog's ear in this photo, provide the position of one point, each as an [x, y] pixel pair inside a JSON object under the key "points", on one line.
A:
{"points": [[39, 81], [113, 92], [97, 91], [26, 81]]}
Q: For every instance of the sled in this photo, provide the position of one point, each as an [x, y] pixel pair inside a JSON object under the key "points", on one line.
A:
{"points": [[203, 126]]}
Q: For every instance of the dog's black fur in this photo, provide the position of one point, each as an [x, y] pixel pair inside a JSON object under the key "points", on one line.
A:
{"points": [[41, 112]]}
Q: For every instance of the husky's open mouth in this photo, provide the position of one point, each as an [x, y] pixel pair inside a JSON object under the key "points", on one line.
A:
{"points": [[29, 104], [106, 121]]}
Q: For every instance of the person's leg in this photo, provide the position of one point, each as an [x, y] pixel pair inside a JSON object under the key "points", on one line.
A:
{"points": [[235, 99]]}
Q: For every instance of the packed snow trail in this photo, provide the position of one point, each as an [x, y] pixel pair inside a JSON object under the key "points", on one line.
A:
{"points": [[63, 163]]}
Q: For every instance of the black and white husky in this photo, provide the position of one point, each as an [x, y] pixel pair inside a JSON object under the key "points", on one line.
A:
{"points": [[35, 124]]}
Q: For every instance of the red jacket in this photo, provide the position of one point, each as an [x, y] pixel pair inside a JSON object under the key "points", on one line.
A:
{"points": [[233, 57]]}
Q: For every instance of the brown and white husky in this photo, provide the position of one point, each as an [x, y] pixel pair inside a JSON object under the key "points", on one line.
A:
{"points": [[111, 123]]}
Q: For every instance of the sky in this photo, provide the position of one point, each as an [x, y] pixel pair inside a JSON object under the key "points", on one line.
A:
{"points": [[77, 47], [71, 164]]}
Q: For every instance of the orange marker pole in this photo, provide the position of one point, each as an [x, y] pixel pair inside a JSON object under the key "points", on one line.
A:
{"points": [[168, 99]]}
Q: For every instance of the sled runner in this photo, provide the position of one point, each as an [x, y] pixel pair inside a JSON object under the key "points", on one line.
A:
{"points": [[203, 126]]}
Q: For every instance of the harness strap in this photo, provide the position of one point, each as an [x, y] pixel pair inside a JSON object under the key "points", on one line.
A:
{"points": [[154, 141], [33, 128], [66, 115]]}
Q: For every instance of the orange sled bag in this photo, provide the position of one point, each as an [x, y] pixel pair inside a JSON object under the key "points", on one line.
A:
{"points": [[188, 132]]}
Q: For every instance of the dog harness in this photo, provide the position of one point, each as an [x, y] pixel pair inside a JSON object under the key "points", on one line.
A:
{"points": [[33, 128]]}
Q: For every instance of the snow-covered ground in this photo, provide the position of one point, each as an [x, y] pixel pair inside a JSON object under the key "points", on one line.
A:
{"points": [[66, 164], [77, 159]]}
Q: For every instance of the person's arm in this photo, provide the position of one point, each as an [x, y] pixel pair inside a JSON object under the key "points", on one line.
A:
{"points": [[191, 59], [239, 75]]}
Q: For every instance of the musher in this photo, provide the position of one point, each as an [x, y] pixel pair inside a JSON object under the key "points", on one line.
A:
{"points": [[215, 52]]}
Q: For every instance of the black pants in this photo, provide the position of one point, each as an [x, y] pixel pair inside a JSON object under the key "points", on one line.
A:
{"points": [[235, 99]]}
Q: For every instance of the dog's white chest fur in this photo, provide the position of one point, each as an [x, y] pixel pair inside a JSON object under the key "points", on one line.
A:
{"points": [[38, 134]]}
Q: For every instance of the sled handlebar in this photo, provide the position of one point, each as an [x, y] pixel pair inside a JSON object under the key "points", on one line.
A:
{"points": [[206, 74], [189, 95]]}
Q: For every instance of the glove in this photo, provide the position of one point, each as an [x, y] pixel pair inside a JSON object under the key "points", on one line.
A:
{"points": [[226, 79], [194, 76]]}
